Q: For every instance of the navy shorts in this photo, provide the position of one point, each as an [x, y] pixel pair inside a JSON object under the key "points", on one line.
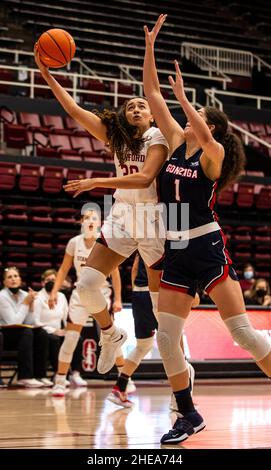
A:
{"points": [[202, 264], [144, 319]]}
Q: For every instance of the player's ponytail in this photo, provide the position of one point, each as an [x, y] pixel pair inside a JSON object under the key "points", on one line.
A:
{"points": [[234, 160]]}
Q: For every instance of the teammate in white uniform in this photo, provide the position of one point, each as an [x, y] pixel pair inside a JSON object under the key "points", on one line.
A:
{"points": [[76, 254]]}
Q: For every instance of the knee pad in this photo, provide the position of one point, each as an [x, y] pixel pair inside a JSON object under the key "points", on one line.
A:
{"points": [[89, 290], [68, 346], [169, 333], [143, 346], [247, 337]]}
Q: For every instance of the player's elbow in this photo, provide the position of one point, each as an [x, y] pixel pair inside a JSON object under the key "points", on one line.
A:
{"points": [[146, 181]]}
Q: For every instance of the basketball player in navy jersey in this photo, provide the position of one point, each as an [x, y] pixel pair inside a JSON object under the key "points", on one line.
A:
{"points": [[145, 325], [204, 158]]}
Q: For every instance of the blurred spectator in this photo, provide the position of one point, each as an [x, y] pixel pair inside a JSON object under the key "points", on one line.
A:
{"points": [[54, 321], [31, 342], [259, 294], [248, 279]]}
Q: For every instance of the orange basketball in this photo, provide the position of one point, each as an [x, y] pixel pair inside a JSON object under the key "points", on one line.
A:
{"points": [[56, 48]]}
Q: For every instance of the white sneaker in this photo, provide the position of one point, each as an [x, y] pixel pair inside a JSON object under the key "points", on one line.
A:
{"points": [[30, 383], [109, 346], [76, 379], [131, 388], [59, 390], [46, 382], [173, 404]]}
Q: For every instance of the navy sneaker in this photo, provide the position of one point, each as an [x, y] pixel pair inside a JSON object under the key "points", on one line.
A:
{"points": [[184, 427]]}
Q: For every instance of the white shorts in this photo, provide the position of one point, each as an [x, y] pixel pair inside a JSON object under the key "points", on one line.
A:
{"points": [[135, 227], [79, 314]]}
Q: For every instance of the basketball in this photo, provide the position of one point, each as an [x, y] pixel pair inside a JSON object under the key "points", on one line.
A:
{"points": [[56, 48]]}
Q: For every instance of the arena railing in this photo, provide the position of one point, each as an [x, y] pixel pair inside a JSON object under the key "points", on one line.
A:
{"points": [[77, 90], [222, 60]]}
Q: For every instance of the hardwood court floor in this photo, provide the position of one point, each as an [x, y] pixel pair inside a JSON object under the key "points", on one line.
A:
{"points": [[237, 415]]}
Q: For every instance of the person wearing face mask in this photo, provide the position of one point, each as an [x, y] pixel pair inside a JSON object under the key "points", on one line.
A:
{"points": [[248, 279], [77, 252], [16, 310], [259, 294]]}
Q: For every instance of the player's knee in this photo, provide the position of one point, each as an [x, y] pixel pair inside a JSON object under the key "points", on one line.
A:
{"points": [[247, 337], [143, 347], [89, 290], [168, 341], [68, 346]]}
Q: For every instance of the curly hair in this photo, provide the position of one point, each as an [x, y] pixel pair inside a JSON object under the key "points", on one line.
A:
{"points": [[122, 137], [235, 160]]}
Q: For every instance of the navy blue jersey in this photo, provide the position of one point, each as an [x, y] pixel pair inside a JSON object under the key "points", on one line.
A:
{"points": [[182, 180], [141, 279]]}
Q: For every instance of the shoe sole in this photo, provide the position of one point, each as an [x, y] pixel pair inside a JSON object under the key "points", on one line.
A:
{"points": [[111, 365], [197, 429], [117, 401]]}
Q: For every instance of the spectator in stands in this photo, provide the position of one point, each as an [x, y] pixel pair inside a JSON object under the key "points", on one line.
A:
{"points": [[54, 321], [248, 279], [17, 319], [259, 294]]}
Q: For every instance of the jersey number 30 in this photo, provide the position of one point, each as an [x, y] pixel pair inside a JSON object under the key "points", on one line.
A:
{"points": [[129, 169]]}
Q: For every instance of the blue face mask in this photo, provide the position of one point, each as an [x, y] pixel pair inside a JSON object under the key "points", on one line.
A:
{"points": [[248, 274]]}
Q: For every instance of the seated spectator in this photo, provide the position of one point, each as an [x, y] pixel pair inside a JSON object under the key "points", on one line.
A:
{"points": [[259, 294], [17, 319], [53, 321], [248, 279]]}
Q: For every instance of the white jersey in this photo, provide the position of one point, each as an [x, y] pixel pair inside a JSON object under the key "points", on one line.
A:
{"points": [[135, 164], [77, 248]]}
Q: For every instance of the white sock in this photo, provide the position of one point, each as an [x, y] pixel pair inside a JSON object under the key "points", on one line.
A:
{"points": [[109, 331], [154, 299]]}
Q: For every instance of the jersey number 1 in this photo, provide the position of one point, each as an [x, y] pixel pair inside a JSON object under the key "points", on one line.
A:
{"points": [[177, 190]]}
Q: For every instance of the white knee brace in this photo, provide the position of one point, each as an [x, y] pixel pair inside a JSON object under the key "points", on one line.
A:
{"points": [[154, 300], [247, 337], [168, 339], [89, 290], [143, 346], [68, 346]]}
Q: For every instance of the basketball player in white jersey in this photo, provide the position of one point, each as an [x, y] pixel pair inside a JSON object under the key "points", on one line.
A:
{"points": [[137, 146], [76, 254]]}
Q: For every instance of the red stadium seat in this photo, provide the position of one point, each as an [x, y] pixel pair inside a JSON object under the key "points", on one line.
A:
{"points": [[245, 195], [17, 238], [29, 178], [7, 175], [52, 180], [55, 124], [226, 197], [76, 174], [42, 240], [263, 199], [242, 233], [75, 127], [40, 214], [15, 212], [65, 215]]}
